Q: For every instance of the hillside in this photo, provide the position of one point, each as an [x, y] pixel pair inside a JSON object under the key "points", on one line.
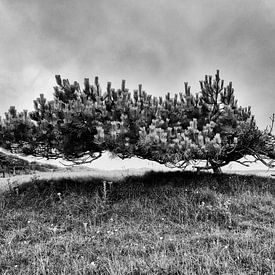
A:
{"points": [[159, 223], [12, 165]]}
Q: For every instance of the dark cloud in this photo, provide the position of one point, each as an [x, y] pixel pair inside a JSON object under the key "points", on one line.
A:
{"points": [[158, 43]]}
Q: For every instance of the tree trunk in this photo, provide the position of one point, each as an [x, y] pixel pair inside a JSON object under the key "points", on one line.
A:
{"points": [[216, 168]]}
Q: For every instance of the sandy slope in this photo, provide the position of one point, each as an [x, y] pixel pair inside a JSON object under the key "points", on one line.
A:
{"points": [[7, 183], [113, 169]]}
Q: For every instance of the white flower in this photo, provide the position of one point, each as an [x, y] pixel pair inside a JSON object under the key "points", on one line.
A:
{"points": [[93, 265], [212, 124]]}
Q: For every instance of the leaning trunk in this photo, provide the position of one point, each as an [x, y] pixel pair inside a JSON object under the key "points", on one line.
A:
{"points": [[216, 168]]}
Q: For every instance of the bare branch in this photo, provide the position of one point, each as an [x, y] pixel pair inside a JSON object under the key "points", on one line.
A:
{"points": [[86, 160], [243, 163], [272, 118]]}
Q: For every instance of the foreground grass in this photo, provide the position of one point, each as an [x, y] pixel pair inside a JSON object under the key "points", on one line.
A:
{"points": [[162, 223]]}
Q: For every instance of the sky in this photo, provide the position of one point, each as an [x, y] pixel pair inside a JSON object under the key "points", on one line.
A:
{"points": [[158, 43]]}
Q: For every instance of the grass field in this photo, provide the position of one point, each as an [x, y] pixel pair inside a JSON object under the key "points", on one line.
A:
{"points": [[160, 223]]}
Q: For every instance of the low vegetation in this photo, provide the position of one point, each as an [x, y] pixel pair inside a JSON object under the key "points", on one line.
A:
{"points": [[161, 223], [11, 165]]}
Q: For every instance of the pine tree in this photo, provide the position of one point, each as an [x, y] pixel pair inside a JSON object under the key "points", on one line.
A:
{"points": [[176, 131]]}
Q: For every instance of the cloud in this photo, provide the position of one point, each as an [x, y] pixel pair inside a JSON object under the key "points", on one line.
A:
{"points": [[158, 43]]}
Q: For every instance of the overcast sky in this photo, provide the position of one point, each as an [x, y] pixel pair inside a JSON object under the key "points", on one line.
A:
{"points": [[158, 43]]}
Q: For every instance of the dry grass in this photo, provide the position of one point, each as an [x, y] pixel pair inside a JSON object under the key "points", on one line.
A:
{"points": [[161, 223]]}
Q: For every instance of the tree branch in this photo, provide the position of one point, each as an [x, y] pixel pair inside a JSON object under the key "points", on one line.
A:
{"points": [[272, 118]]}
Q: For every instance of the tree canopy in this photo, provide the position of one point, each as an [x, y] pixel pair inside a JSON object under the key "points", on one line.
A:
{"points": [[80, 124]]}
